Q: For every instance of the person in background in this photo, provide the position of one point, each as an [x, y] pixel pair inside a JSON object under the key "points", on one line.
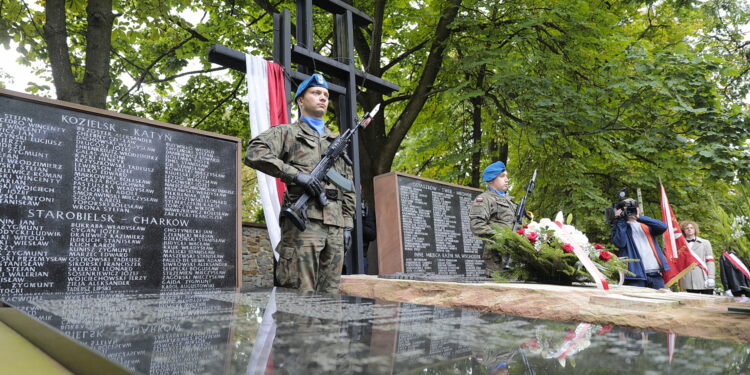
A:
{"points": [[696, 280], [369, 233], [493, 206], [635, 237]]}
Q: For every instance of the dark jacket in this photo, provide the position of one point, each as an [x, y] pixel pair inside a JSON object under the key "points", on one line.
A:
{"points": [[732, 278], [622, 237], [369, 230]]}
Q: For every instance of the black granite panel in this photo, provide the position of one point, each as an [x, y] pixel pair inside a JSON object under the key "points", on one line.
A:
{"points": [[435, 228], [95, 203], [281, 332]]}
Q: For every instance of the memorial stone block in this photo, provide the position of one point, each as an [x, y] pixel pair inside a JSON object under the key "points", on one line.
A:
{"points": [[282, 332], [423, 227], [92, 200]]}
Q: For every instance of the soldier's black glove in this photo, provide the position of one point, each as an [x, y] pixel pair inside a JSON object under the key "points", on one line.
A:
{"points": [[347, 238], [311, 184]]}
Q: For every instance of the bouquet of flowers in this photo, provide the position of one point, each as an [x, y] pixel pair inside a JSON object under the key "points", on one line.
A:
{"points": [[544, 252]]}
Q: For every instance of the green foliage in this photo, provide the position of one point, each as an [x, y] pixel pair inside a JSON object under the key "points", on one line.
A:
{"points": [[596, 99], [251, 206]]}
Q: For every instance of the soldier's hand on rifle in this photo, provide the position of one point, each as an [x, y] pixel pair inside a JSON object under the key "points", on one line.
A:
{"points": [[311, 184]]}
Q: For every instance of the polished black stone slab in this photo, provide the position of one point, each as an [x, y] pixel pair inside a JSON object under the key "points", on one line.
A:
{"points": [[282, 332], [92, 201], [435, 228]]}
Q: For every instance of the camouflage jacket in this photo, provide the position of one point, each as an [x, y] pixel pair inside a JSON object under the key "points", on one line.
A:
{"points": [[489, 207], [284, 150]]}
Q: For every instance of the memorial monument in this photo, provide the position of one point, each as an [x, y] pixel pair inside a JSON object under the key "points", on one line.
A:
{"points": [[423, 227], [92, 200]]}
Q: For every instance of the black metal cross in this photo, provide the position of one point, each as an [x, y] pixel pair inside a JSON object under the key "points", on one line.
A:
{"points": [[346, 18]]}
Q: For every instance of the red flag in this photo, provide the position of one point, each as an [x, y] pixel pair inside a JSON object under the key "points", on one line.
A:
{"points": [[277, 107], [679, 256]]}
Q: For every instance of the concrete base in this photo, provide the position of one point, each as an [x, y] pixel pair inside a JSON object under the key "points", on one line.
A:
{"points": [[682, 313]]}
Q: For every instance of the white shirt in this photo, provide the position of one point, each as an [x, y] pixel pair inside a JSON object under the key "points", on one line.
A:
{"points": [[641, 242]]}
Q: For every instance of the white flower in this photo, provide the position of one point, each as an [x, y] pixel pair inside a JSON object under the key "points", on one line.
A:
{"points": [[738, 226]]}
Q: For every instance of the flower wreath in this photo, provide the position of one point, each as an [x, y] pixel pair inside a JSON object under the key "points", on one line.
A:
{"points": [[545, 252]]}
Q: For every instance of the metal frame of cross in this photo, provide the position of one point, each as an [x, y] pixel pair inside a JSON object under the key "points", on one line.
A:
{"points": [[346, 18]]}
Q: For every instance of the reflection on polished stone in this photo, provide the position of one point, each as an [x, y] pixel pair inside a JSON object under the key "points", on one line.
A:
{"points": [[282, 332]]}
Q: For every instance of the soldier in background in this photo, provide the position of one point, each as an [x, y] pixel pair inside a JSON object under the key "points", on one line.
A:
{"points": [[309, 260], [696, 281], [493, 206]]}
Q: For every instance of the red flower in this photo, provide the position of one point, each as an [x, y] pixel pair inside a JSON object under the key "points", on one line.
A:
{"points": [[531, 344], [604, 330], [521, 231], [598, 246], [568, 248], [605, 256], [525, 226], [532, 236]]}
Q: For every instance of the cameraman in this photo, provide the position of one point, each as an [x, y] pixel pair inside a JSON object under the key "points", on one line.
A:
{"points": [[635, 236]]}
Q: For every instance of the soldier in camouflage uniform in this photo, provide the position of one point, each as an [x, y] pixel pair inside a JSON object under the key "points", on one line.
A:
{"points": [[493, 206], [309, 260]]}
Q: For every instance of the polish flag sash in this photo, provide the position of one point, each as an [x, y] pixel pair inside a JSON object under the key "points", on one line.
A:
{"points": [[737, 263]]}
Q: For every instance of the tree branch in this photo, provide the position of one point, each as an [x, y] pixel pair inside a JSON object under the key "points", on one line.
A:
{"points": [[33, 21], [416, 103], [185, 74], [221, 102], [147, 70], [404, 55], [396, 99]]}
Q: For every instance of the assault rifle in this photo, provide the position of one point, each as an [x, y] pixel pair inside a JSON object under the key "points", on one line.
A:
{"points": [[521, 209], [323, 170]]}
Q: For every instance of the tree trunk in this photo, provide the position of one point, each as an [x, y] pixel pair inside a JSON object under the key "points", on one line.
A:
{"points": [[96, 80], [56, 35], [377, 149], [93, 89], [384, 159], [476, 136]]}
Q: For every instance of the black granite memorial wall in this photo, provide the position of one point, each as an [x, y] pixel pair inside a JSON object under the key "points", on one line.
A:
{"points": [[432, 225], [92, 200]]}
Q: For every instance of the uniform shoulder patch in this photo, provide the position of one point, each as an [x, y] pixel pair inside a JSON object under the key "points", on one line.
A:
{"points": [[479, 199]]}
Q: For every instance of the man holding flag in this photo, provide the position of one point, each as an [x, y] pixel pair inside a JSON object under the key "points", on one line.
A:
{"points": [[679, 256]]}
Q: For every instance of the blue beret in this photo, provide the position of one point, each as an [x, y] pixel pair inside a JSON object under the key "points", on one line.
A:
{"points": [[312, 81], [492, 171]]}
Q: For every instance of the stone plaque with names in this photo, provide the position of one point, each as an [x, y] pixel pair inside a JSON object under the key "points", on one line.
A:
{"points": [[92, 200], [423, 227]]}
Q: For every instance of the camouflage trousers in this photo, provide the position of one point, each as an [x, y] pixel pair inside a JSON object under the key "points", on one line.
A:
{"points": [[310, 261], [493, 261]]}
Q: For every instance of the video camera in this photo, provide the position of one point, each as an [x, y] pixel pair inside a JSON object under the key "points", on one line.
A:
{"points": [[628, 207]]}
